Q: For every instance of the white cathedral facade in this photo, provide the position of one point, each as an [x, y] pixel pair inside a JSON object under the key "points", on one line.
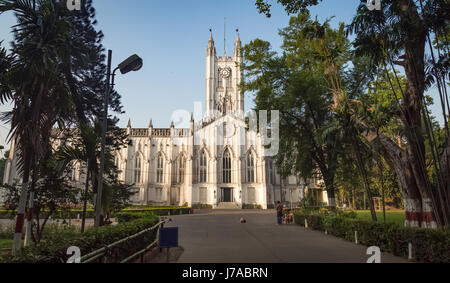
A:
{"points": [[218, 161]]}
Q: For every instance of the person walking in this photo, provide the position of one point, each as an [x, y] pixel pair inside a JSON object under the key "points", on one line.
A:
{"points": [[279, 213]]}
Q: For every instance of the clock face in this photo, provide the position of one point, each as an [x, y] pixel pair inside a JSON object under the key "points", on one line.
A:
{"points": [[226, 72]]}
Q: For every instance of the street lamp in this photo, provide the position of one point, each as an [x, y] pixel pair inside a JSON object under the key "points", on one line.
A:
{"points": [[133, 63]]}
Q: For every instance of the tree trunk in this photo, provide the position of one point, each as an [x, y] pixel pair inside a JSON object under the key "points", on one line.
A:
{"points": [[329, 184], [398, 160], [414, 66], [86, 188], [29, 222], [353, 200], [20, 218], [363, 172]]}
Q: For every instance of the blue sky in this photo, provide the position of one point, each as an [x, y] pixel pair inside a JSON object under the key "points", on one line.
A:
{"points": [[171, 37]]}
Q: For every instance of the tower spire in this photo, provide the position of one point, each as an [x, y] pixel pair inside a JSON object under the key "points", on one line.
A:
{"points": [[211, 50], [225, 38], [237, 46]]}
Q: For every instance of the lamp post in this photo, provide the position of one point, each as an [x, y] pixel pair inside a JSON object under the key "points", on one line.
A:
{"points": [[133, 63]]}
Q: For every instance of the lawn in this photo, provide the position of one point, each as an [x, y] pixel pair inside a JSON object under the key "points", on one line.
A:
{"points": [[397, 217], [5, 243]]}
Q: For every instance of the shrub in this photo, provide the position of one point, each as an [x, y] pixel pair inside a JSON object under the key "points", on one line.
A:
{"points": [[429, 245], [54, 248], [6, 232], [300, 215], [131, 216], [202, 206], [160, 211], [251, 206]]}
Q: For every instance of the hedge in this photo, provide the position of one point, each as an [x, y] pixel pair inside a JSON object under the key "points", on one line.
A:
{"points": [[74, 213], [251, 206], [123, 217], [54, 249], [202, 206], [429, 245], [162, 211]]}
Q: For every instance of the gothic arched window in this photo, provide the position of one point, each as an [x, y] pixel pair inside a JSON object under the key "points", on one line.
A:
{"points": [[160, 169], [137, 170], [203, 168], [181, 164], [250, 168], [227, 167]]}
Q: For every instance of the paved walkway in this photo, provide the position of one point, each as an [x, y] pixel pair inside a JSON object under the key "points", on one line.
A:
{"points": [[219, 237]]}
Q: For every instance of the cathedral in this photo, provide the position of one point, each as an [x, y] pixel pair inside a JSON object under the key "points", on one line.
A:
{"points": [[217, 162]]}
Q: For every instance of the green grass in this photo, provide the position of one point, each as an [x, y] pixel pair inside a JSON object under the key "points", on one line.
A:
{"points": [[5, 243], [397, 217]]}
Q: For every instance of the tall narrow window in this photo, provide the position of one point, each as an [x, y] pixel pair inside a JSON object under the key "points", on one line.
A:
{"points": [[137, 170], [250, 168], [181, 166], [272, 173], [196, 177], [203, 167], [227, 167], [160, 170]]}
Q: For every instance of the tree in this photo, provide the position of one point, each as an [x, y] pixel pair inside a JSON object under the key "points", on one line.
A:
{"points": [[397, 35], [294, 84], [35, 84], [52, 193], [55, 76], [85, 148]]}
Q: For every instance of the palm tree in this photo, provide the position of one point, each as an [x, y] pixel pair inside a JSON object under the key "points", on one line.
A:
{"points": [[84, 150], [35, 85]]}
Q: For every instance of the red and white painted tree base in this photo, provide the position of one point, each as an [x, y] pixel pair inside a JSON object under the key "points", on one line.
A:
{"points": [[419, 214]]}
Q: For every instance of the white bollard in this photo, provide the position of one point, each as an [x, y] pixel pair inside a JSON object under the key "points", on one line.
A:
{"points": [[356, 237], [306, 223], [410, 255], [326, 232]]}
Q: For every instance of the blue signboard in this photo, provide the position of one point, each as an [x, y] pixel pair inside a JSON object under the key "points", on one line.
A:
{"points": [[168, 237]]}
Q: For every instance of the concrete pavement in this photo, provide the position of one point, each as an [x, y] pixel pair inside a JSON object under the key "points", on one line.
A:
{"points": [[218, 237]]}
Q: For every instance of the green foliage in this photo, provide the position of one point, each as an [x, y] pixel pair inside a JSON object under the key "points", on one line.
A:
{"points": [[428, 245], [294, 83], [291, 6], [75, 213], [123, 217], [251, 206], [396, 217], [54, 248], [6, 232], [128, 215], [202, 206]]}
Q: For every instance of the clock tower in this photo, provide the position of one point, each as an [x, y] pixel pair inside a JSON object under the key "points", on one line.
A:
{"points": [[223, 79]]}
